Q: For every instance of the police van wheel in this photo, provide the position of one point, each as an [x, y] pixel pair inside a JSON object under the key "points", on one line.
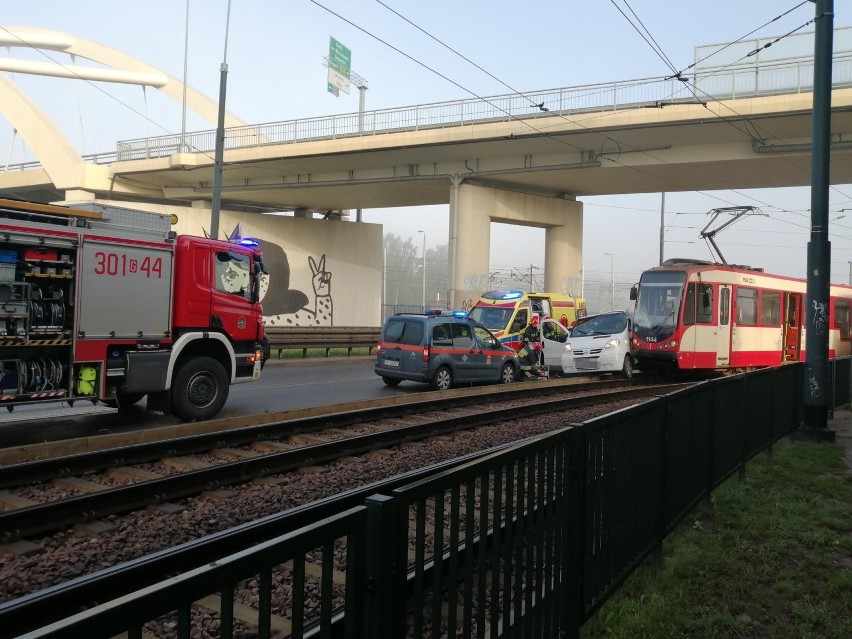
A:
{"points": [[627, 367], [390, 381], [199, 389], [443, 379], [507, 374]]}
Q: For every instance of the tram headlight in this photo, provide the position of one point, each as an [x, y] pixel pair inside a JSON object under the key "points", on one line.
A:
{"points": [[670, 344]]}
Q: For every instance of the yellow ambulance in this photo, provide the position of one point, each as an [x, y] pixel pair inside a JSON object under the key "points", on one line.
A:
{"points": [[506, 313]]}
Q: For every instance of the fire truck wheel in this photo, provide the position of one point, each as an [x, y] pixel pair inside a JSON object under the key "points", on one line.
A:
{"points": [[200, 389], [123, 401]]}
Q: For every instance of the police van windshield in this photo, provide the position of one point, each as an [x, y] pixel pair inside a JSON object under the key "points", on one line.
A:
{"points": [[659, 299], [495, 319]]}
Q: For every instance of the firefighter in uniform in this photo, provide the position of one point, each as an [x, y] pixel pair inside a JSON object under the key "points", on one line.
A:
{"points": [[531, 348]]}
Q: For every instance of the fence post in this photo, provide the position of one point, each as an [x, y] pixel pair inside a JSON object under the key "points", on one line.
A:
{"points": [[384, 613], [656, 557], [572, 518]]}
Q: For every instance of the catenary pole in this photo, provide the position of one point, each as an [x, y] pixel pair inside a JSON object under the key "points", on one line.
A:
{"points": [[216, 201], [183, 148], [815, 425], [662, 224]]}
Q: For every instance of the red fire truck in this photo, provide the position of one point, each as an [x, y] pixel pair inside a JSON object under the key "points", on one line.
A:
{"points": [[107, 304]]}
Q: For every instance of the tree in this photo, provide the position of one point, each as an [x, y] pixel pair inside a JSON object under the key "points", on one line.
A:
{"points": [[404, 273], [401, 271], [437, 276]]}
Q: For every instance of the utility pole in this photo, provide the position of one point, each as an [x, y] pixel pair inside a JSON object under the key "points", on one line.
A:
{"points": [[216, 201], [662, 224], [611, 281], [424, 269], [815, 424], [183, 148]]}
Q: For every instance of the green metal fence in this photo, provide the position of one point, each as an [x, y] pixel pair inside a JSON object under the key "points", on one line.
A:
{"points": [[525, 542]]}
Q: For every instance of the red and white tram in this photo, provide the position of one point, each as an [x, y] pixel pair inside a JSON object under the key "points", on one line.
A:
{"points": [[696, 315]]}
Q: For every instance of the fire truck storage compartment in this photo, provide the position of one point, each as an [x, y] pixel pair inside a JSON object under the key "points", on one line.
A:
{"points": [[125, 291], [8, 261], [15, 310], [34, 375], [146, 372]]}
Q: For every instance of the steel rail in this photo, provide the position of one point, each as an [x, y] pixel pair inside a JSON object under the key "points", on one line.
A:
{"points": [[24, 473], [51, 516]]}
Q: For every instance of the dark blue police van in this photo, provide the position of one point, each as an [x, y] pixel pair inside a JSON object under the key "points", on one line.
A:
{"points": [[442, 350]]}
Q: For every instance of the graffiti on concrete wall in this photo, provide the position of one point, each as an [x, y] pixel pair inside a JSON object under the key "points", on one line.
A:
{"points": [[285, 306]]}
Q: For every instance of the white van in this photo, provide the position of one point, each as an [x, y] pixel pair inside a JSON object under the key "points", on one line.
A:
{"points": [[595, 344]]}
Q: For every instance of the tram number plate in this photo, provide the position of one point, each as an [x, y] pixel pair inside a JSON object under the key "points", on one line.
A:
{"points": [[394, 363]]}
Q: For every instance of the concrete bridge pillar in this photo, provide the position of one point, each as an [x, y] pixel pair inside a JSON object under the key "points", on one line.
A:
{"points": [[473, 208]]}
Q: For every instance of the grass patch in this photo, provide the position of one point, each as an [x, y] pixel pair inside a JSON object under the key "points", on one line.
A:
{"points": [[772, 558]]}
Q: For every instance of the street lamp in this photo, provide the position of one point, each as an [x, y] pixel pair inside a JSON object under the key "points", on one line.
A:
{"points": [[611, 281], [424, 269]]}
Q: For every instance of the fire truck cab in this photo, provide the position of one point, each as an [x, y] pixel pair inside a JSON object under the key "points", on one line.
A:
{"points": [[107, 304]]}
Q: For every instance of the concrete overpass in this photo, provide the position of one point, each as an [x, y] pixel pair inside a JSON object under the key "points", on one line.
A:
{"points": [[521, 159]]}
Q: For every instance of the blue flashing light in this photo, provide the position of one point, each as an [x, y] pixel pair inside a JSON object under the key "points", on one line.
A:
{"points": [[511, 294], [460, 314], [247, 241]]}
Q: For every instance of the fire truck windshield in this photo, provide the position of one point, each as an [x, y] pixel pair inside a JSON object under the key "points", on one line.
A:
{"points": [[232, 274]]}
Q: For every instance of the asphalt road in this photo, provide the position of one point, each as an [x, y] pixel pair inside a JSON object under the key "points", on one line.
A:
{"points": [[284, 385]]}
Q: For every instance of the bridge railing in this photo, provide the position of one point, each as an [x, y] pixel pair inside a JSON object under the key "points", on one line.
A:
{"points": [[725, 83]]}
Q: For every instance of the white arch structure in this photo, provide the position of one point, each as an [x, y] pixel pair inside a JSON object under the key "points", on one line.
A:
{"points": [[60, 160]]}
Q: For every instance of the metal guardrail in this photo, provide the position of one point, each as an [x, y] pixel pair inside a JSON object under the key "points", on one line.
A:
{"points": [[530, 540], [322, 337], [707, 85]]}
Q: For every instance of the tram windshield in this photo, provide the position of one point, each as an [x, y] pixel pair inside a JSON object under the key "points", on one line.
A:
{"points": [[658, 302]]}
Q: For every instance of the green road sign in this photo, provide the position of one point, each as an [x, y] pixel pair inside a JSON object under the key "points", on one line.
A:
{"points": [[339, 64]]}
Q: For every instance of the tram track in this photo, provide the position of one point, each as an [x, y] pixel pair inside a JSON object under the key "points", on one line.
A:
{"points": [[309, 442], [148, 546]]}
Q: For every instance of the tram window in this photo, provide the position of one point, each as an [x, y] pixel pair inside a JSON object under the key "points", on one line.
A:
{"points": [[770, 308], [724, 306], [747, 306], [841, 318], [704, 304], [689, 306]]}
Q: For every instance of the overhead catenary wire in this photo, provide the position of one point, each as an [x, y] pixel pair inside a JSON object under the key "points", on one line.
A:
{"points": [[543, 132], [693, 87]]}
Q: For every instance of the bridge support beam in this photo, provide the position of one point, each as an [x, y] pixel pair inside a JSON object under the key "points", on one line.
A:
{"points": [[474, 207]]}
